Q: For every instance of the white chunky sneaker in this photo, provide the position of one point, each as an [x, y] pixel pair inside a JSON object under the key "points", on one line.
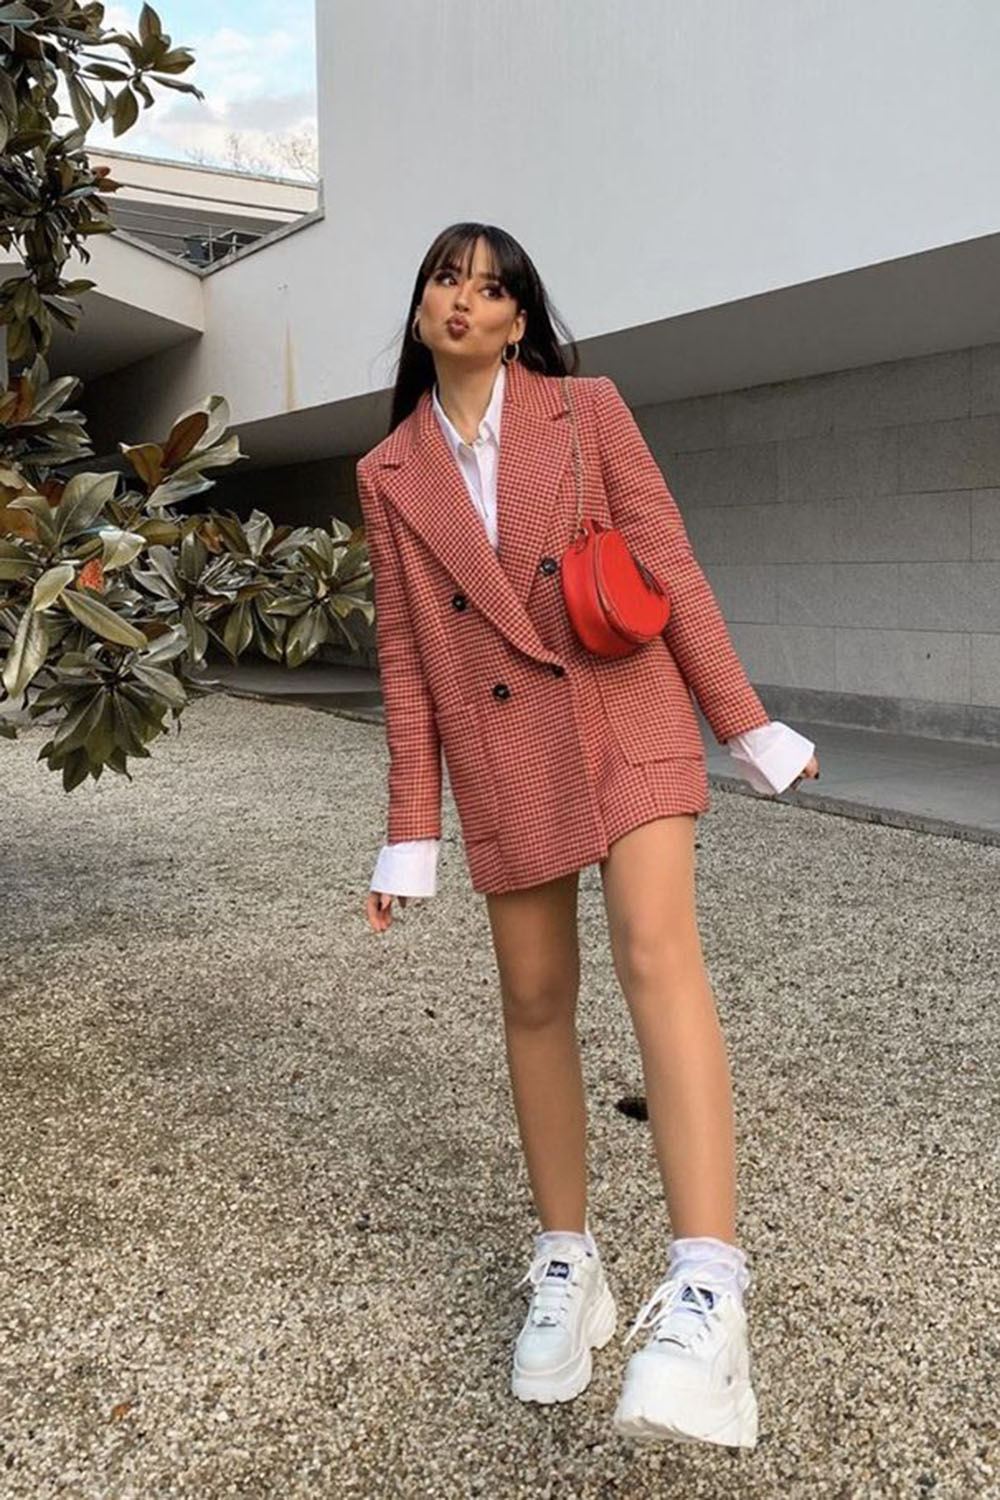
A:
{"points": [[572, 1311], [691, 1381]]}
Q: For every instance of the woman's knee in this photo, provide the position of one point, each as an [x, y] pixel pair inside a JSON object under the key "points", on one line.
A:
{"points": [[533, 1004], [537, 952], [648, 954], [649, 894]]}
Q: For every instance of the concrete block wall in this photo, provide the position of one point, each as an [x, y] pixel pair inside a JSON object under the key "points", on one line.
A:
{"points": [[849, 525]]}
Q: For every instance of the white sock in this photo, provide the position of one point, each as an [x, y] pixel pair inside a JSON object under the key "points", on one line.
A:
{"points": [[723, 1263], [547, 1238]]}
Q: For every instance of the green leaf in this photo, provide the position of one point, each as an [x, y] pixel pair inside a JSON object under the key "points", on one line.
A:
{"points": [[52, 398], [80, 722], [192, 557], [80, 101], [284, 604], [110, 72], [83, 500], [196, 632], [101, 743], [41, 510], [172, 491], [75, 769], [27, 654], [163, 684], [51, 584], [128, 726], [226, 452], [304, 637], [125, 112], [259, 530], [238, 630], [162, 559], [102, 620], [120, 547], [150, 26], [165, 647]]}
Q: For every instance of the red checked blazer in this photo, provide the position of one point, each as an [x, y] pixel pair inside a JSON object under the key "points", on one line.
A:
{"points": [[475, 651]]}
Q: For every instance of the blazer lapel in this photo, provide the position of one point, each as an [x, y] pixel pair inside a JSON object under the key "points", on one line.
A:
{"points": [[425, 486]]}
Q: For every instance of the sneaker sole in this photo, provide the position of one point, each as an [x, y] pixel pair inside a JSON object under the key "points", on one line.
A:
{"points": [[733, 1423], [574, 1376]]}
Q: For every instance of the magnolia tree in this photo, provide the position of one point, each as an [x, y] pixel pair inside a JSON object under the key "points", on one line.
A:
{"points": [[109, 595]]}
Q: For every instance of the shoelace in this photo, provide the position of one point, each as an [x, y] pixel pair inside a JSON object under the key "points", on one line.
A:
{"points": [[552, 1294], [678, 1312]]}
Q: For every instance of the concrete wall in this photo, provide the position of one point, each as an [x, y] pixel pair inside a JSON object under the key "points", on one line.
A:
{"points": [[656, 157], [850, 527]]}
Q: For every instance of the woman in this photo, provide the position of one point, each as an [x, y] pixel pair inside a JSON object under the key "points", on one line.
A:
{"points": [[557, 759]]}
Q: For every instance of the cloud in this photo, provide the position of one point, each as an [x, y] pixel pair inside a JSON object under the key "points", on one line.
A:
{"points": [[256, 82]]}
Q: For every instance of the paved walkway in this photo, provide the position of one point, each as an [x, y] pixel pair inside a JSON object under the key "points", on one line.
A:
{"points": [[938, 786], [264, 1213]]}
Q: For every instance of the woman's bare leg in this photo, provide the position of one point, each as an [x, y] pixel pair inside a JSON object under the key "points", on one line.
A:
{"points": [[649, 893], [538, 959]]}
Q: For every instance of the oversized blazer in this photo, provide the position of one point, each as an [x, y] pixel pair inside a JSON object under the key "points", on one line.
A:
{"points": [[476, 654]]}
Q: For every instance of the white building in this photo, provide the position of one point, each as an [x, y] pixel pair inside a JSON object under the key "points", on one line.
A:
{"points": [[773, 222]]}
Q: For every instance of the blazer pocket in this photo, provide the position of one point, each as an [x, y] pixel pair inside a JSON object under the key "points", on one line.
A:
{"points": [[648, 705], [469, 775]]}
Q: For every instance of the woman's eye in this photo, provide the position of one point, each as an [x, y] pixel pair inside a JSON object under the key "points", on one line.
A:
{"points": [[491, 286]]}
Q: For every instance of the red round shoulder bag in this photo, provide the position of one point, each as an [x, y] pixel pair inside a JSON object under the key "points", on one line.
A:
{"points": [[614, 603]]}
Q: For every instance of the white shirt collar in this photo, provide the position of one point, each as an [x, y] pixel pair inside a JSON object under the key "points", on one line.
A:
{"points": [[489, 427]]}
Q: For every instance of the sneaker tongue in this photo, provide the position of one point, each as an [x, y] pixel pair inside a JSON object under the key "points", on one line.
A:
{"points": [[689, 1295], [557, 1270], [687, 1313]]}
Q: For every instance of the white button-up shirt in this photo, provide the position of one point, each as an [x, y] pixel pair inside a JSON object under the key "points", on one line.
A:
{"points": [[770, 756]]}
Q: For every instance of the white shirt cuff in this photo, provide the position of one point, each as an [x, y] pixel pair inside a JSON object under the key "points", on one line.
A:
{"points": [[407, 868], [771, 756]]}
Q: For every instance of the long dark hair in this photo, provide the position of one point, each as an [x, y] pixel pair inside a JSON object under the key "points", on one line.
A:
{"points": [[539, 349]]}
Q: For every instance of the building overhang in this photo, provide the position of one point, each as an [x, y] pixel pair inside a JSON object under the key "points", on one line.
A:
{"points": [[144, 302]]}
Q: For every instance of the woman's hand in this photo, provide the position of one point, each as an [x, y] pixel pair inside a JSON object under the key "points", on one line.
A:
{"points": [[379, 909], [811, 769]]}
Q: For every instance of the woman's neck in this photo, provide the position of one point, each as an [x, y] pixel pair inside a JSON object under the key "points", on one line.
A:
{"points": [[465, 394]]}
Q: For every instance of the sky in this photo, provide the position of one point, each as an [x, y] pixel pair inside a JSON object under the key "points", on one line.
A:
{"points": [[255, 62]]}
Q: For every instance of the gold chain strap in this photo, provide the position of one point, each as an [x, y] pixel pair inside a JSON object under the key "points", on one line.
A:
{"points": [[577, 461]]}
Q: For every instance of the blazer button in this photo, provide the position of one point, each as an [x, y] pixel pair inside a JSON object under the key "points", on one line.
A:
{"points": [[458, 601], [558, 669], [548, 565], [501, 690]]}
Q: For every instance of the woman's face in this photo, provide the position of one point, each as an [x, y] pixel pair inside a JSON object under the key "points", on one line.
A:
{"points": [[471, 294]]}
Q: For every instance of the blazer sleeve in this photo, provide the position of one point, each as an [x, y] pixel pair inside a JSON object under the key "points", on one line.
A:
{"points": [[644, 510], [411, 732]]}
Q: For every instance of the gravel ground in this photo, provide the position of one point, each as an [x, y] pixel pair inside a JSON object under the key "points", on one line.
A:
{"points": [[263, 1205]]}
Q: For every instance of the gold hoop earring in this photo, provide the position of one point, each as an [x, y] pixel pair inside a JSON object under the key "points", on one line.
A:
{"points": [[517, 350], [413, 329]]}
